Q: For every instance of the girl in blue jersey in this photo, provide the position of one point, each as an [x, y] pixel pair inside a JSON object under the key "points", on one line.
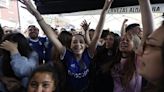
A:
{"points": [[77, 60]]}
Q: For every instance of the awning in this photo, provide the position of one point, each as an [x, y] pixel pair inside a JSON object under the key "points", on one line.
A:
{"points": [[69, 6]]}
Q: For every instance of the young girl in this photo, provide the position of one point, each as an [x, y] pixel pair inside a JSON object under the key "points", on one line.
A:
{"points": [[123, 69], [151, 53], [18, 60], [77, 59], [43, 79]]}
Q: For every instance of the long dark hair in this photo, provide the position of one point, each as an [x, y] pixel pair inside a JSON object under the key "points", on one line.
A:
{"points": [[129, 66], [115, 54], [65, 38], [23, 48], [23, 45], [52, 71]]}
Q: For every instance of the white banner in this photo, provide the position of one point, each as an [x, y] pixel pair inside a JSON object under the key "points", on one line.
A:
{"points": [[156, 8]]}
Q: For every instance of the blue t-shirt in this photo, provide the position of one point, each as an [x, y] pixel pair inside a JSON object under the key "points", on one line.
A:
{"points": [[39, 46], [77, 70]]}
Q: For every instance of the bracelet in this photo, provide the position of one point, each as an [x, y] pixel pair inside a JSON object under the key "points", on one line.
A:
{"points": [[39, 19]]}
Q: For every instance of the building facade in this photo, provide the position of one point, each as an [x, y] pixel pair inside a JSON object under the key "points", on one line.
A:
{"points": [[9, 14]]}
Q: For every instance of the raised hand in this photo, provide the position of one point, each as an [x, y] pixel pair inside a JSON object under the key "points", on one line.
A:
{"points": [[125, 20], [45, 27], [85, 25], [107, 4], [29, 6], [123, 27], [12, 47]]}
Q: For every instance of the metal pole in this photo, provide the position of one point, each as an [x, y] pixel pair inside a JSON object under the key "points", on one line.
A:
{"points": [[18, 16]]}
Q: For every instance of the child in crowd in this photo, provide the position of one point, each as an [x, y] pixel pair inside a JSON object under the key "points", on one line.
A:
{"points": [[17, 61], [151, 53], [43, 79], [77, 59]]}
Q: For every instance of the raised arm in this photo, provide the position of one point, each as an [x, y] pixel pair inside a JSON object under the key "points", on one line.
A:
{"points": [[45, 27], [123, 27], [98, 32], [147, 18], [85, 27], [21, 65]]}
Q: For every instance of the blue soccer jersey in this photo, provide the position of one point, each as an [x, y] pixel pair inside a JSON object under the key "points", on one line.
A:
{"points": [[39, 46], [77, 70]]}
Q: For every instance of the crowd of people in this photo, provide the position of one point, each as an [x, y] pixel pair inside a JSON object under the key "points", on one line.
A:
{"points": [[94, 60]]}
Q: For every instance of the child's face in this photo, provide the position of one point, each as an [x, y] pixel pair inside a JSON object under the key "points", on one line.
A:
{"points": [[109, 41], [126, 44], [78, 44], [150, 57], [41, 82]]}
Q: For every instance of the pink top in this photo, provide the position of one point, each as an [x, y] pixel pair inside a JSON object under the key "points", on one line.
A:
{"points": [[134, 85]]}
